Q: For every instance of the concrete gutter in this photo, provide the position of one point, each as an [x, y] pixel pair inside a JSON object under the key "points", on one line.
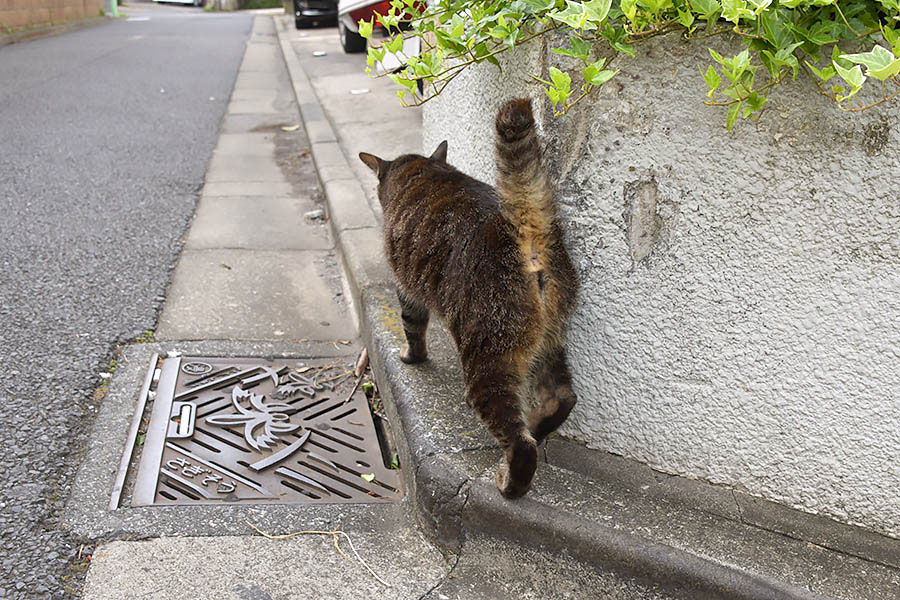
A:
{"points": [[687, 537]]}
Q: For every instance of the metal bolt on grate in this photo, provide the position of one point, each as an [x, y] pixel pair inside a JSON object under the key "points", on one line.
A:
{"points": [[258, 431]]}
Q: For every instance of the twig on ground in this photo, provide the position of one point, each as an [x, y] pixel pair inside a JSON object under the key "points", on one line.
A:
{"points": [[334, 536], [353, 391], [362, 362]]}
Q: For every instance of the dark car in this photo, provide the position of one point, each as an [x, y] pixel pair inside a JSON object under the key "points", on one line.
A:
{"points": [[313, 12]]}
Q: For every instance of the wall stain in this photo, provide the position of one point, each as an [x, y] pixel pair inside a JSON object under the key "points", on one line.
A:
{"points": [[876, 137]]}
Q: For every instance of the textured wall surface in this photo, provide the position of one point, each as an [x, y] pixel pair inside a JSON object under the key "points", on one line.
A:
{"points": [[24, 14], [740, 314]]}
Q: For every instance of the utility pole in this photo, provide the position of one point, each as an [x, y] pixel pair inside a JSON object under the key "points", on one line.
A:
{"points": [[111, 7]]}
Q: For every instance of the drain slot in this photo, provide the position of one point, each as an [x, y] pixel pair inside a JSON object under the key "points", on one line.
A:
{"points": [[182, 425]]}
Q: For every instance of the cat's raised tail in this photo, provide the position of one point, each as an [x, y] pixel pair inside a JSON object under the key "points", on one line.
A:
{"points": [[522, 184]]}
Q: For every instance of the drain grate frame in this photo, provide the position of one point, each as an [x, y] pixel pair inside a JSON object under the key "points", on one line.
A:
{"points": [[250, 430]]}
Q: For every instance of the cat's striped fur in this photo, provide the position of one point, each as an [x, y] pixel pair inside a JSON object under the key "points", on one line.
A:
{"points": [[492, 264]]}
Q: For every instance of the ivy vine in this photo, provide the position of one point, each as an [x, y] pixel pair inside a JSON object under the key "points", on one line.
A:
{"points": [[784, 37]]}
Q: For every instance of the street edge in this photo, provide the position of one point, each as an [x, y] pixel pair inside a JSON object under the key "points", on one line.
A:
{"points": [[447, 502], [26, 35]]}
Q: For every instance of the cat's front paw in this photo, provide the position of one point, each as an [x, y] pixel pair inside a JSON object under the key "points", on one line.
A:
{"points": [[411, 358]]}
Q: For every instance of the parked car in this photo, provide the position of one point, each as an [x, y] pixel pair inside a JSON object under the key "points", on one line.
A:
{"points": [[312, 12], [350, 12]]}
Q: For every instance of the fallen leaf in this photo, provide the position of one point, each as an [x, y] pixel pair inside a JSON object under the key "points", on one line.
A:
{"points": [[290, 128], [370, 477]]}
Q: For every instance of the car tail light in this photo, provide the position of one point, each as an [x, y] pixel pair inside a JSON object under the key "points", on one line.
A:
{"points": [[368, 12], [381, 8]]}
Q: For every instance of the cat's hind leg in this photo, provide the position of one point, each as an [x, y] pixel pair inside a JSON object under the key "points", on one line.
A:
{"points": [[553, 388], [493, 387], [415, 324]]}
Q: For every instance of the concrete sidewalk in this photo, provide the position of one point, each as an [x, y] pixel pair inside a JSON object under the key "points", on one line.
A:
{"points": [[687, 537], [260, 278]]}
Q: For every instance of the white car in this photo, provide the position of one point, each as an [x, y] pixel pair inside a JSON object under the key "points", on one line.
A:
{"points": [[349, 14]]}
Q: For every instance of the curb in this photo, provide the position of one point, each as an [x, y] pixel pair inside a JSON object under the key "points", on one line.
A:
{"points": [[449, 503]]}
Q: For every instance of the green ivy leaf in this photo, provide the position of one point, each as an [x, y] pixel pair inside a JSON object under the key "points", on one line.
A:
{"points": [[365, 27], [560, 89], [685, 17], [595, 76], [708, 9], [892, 37], [575, 16], [597, 10], [837, 58], [759, 6], [579, 49], [734, 110], [712, 79], [825, 74], [561, 81], [880, 63], [655, 7], [753, 103], [395, 45], [734, 10], [852, 76], [774, 30]]}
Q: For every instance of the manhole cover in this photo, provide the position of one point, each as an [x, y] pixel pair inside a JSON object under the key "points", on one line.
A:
{"points": [[250, 430]]}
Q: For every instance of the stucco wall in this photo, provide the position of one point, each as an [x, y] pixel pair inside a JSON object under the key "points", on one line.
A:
{"points": [[740, 314], [16, 15]]}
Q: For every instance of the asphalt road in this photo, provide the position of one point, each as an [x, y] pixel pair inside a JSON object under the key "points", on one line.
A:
{"points": [[105, 136]]}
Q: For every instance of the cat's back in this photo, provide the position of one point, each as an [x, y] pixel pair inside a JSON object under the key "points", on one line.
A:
{"points": [[420, 186], [442, 224]]}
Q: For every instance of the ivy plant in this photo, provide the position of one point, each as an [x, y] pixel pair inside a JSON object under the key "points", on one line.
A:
{"points": [[782, 38]]}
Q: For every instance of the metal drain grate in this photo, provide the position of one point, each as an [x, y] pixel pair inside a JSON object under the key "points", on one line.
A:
{"points": [[250, 430]]}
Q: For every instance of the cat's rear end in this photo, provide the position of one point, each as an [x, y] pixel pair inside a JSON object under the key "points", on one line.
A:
{"points": [[491, 263]]}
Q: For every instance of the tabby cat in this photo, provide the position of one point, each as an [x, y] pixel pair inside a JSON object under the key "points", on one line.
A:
{"points": [[492, 264]]}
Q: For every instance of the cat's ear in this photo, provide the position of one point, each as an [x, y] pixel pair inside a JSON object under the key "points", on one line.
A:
{"points": [[377, 165], [441, 152]]}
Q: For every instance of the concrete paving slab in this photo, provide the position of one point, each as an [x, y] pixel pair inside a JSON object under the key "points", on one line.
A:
{"points": [[265, 62], [261, 56], [266, 123], [248, 188], [257, 80], [259, 106], [257, 223], [243, 169], [246, 144], [255, 94], [242, 568], [255, 295]]}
